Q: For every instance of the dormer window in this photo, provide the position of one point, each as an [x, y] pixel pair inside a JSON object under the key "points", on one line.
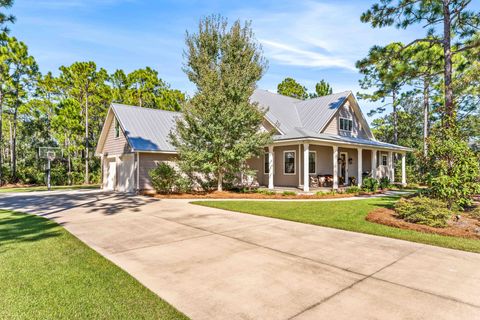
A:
{"points": [[346, 124]]}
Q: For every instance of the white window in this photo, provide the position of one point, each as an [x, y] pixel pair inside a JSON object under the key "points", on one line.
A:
{"points": [[346, 124], [384, 160], [289, 162], [266, 163], [312, 162], [117, 129]]}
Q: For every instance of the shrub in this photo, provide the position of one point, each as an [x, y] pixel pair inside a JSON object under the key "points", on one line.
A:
{"points": [[384, 183], [352, 189], [370, 184], [423, 210], [475, 213], [266, 192], [164, 178], [289, 193], [453, 168]]}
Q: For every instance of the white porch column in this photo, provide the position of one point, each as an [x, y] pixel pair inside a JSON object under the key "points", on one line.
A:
{"points": [[335, 167], [374, 164], [270, 167], [404, 171], [390, 166], [359, 166], [299, 164], [306, 176]]}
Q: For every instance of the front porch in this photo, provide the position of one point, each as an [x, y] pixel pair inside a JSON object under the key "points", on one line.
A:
{"points": [[312, 166]]}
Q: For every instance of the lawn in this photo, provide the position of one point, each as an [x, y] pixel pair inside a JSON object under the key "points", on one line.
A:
{"points": [[346, 215], [44, 188], [46, 273]]}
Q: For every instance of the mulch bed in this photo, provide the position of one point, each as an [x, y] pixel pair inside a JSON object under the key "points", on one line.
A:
{"points": [[237, 195], [466, 227]]}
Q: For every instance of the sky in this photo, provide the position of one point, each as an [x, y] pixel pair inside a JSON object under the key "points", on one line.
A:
{"points": [[303, 39]]}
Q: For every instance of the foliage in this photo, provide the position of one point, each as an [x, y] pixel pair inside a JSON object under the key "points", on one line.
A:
{"points": [[384, 183], [289, 193], [266, 192], [475, 213], [370, 184], [453, 168], [164, 178], [322, 88], [353, 190], [291, 88], [220, 128], [423, 210]]}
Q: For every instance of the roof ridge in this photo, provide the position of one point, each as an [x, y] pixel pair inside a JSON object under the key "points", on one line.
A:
{"points": [[143, 108]]}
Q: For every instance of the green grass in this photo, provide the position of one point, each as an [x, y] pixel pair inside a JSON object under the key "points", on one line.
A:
{"points": [[44, 188], [346, 215], [46, 273]]}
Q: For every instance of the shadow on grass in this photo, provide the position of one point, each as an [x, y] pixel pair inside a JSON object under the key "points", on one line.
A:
{"points": [[19, 227]]}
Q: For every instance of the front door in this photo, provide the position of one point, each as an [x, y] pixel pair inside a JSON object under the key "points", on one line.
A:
{"points": [[343, 172]]}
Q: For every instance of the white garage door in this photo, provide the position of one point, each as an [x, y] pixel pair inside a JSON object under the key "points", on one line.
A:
{"points": [[111, 174], [126, 173]]}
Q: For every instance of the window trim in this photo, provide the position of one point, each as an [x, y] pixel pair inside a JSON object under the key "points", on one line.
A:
{"points": [[315, 158], [340, 121], [384, 156], [265, 154], [116, 128], [294, 163]]}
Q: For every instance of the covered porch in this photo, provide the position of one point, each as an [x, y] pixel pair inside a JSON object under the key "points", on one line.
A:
{"points": [[315, 165]]}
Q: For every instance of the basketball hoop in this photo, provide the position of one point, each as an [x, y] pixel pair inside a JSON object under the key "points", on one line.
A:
{"points": [[49, 153]]}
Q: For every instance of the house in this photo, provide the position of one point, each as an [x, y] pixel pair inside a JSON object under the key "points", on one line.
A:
{"points": [[324, 140]]}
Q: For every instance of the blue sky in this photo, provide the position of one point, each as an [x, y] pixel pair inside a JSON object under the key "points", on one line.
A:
{"points": [[304, 39]]}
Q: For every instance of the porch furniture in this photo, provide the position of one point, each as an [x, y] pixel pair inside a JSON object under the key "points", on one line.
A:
{"points": [[352, 181], [325, 180]]}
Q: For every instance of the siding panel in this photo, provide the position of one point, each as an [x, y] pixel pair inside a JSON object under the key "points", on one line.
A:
{"points": [[149, 161], [115, 146]]}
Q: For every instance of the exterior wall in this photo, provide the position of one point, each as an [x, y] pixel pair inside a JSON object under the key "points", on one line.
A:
{"points": [[345, 111], [149, 161], [115, 146], [280, 178]]}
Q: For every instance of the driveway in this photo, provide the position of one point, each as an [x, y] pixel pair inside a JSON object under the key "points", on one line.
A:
{"points": [[216, 264]]}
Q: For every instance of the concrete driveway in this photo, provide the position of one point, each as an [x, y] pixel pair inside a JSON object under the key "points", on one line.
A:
{"points": [[216, 264]]}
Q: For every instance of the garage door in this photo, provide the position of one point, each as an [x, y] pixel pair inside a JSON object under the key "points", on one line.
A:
{"points": [[110, 174], [126, 173]]}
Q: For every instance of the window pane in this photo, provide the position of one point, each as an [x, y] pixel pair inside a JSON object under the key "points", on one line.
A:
{"points": [[311, 162], [266, 164], [289, 162], [350, 125]]}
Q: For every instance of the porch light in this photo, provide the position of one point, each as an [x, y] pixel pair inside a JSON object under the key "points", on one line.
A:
{"points": [[350, 160]]}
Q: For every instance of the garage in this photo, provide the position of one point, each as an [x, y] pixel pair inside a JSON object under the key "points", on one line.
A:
{"points": [[126, 173], [110, 174]]}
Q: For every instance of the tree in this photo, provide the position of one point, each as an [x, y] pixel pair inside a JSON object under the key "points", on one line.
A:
{"points": [[290, 87], [322, 88], [447, 21], [23, 69], [119, 83], [84, 82], [6, 18], [220, 128], [385, 70]]}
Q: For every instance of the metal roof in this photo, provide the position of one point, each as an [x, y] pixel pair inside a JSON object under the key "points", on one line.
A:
{"points": [[146, 129]]}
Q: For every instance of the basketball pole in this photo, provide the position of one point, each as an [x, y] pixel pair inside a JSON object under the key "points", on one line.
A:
{"points": [[48, 174]]}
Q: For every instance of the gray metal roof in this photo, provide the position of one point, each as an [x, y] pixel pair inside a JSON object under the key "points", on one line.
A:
{"points": [[146, 129]]}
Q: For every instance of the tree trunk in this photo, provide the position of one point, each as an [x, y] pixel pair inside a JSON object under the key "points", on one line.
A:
{"points": [[395, 117], [426, 115], [14, 144], [220, 181], [449, 111], [86, 138]]}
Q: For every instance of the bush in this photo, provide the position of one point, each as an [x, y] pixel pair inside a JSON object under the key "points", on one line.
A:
{"points": [[384, 183], [453, 168], [266, 192], [289, 193], [352, 189], [475, 213], [370, 184], [164, 178], [423, 210]]}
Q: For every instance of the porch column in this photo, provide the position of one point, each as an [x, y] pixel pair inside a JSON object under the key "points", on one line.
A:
{"points": [[270, 167], [404, 171], [390, 166], [359, 167], [306, 176], [374, 164], [335, 167]]}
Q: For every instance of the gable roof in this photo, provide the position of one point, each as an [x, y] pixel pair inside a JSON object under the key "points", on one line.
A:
{"points": [[146, 129]]}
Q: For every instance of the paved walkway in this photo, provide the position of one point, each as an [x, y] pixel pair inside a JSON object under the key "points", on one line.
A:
{"points": [[215, 264]]}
